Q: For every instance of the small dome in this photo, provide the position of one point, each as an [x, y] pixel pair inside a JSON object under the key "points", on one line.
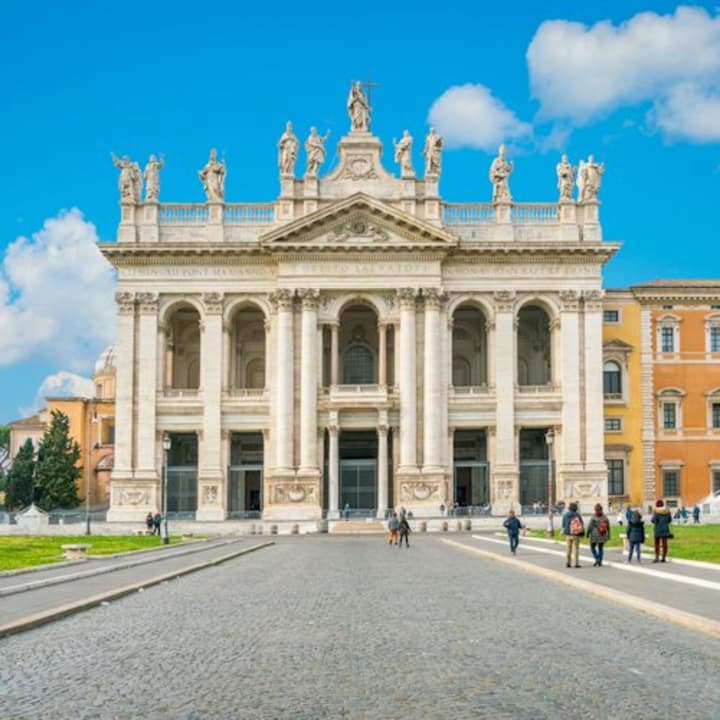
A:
{"points": [[106, 361]]}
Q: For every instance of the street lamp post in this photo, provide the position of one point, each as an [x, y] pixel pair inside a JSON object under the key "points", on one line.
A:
{"points": [[167, 443], [549, 438], [95, 421]]}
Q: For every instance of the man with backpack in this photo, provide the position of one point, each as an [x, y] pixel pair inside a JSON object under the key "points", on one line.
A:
{"points": [[598, 532], [573, 530]]}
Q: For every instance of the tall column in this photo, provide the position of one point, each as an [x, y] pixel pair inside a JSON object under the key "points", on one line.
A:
{"points": [[308, 383], [147, 386], [432, 431], [211, 478], [334, 353], [284, 414], [570, 369], [382, 433], [506, 468], [125, 352], [333, 471], [408, 382], [594, 401], [382, 354]]}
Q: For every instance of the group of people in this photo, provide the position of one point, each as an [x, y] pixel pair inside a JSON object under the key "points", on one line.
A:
{"points": [[399, 529], [598, 533], [153, 522]]}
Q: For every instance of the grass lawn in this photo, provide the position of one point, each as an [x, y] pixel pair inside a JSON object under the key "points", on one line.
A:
{"points": [[691, 542], [20, 552]]}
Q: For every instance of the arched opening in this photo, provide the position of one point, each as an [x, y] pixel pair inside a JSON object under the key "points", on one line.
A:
{"points": [[182, 350], [247, 362], [358, 345], [469, 347], [534, 346], [612, 379]]}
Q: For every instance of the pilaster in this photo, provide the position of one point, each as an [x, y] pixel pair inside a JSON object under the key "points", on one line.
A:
{"points": [[215, 230], [128, 230], [308, 384], [570, 381], [432, 405], [150, 230], [147, 387]]}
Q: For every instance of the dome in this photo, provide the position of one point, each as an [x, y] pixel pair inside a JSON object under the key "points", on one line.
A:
{"points": [[106, 361]]}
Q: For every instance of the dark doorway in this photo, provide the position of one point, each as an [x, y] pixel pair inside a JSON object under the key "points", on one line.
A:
{"points": [[358, 471], [245, 475]]}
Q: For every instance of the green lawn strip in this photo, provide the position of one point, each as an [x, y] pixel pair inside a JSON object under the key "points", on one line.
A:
{"points": [[691, 542], [27, 551]]}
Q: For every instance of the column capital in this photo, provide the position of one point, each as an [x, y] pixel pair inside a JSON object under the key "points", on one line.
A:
{"points": [[213, 302], [406, 298], [434, 297], [333, 428], [283, 299], [147, 302], [310, 298], [504, 300], [570, 300], [125, 302], [593, 300]]}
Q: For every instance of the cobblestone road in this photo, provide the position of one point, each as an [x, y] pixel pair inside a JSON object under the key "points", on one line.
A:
{"points": [[346, 627]]}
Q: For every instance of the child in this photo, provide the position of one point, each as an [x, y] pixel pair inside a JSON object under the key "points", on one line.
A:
{"points": [[513, 526], [636, 534], [393, 525]]}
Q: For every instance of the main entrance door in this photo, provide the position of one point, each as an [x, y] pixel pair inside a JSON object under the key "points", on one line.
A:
{"points": [[245, 476], [472, 488], [358, 472]]}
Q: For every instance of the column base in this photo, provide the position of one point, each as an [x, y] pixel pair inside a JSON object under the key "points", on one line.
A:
{"points": [[419, 493], [586, 487], [505, 489], [211, 495], [293, 497], [132, 501]]}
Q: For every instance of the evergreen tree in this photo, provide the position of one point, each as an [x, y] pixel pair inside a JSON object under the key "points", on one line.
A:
{"points": [[19, 481], [57, 466], [4, 453]]}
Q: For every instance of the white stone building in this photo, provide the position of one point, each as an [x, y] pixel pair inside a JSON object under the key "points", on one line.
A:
{"points": [[357, 341]]}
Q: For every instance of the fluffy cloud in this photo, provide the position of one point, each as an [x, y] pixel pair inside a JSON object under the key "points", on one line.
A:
{"points": [[56, 295], [672, 61], [469, 116], [61, 384]]}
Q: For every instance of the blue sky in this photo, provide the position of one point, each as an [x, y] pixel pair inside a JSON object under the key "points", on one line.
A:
{"points": [[640, 92]]}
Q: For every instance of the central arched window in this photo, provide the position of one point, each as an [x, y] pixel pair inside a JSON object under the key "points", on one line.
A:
{"points": [[358, 366], [612, 379], [534, 346]]}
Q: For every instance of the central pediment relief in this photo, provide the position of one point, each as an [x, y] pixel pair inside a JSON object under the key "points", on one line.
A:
{"points": [[358, 222]]}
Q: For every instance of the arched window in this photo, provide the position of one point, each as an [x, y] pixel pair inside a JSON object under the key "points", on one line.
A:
{"points": [[534, 346], [358, 366], [469, 347], [612, 379], [461, 372], [182, 349]]}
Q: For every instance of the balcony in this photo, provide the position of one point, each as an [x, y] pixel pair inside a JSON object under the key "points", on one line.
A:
{"points": [[357, 395]]}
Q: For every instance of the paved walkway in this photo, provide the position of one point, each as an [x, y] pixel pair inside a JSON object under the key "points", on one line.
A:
{"points": [[337, 627]]}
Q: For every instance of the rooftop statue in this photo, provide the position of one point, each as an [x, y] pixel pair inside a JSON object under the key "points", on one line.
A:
{"points": [[358, 108], [432, 153], [403, 154], [287, 151], [315, 149], [152, 177], [589, 178], [213, 177], [566, 178], [130, 180], [500, 171]]}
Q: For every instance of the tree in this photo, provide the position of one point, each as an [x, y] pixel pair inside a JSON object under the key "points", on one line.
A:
{"points": [[57, 466], [19, 481], [4, 453]]}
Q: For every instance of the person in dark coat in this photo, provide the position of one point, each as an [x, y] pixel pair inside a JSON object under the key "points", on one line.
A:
{"points": [[513, 527], [157, 520], [696, 515], [635, 534], [573, 529], [661, 519], [149, 523], [404, 529], [598, 533]]}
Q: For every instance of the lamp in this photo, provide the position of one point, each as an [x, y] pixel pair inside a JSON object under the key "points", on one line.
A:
{"points": [[95, 420], [549, 439], [166, 444]]}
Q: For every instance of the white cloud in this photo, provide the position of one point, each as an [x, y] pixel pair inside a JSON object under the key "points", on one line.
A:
{"points": [[469, 116], [56, 295], [61, 384], [672, 61]]}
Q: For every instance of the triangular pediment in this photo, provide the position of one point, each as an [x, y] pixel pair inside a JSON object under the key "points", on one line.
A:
{"points": [[358, 222], [617, 344]]}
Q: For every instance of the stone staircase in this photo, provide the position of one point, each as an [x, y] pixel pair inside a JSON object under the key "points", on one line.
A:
{"points": [[356, 526]]}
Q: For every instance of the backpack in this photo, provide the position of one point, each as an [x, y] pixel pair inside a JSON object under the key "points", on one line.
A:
{"points": [[603, 526], [576, 525]]}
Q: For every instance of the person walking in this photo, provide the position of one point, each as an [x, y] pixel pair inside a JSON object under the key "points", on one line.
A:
{"points": [[404, 530], [598, 533], [661, 519], [513, 527], [573, 529], [157, 519], [346, 511], [696, 515], [635, 534], [149, 523], [393, 525]]}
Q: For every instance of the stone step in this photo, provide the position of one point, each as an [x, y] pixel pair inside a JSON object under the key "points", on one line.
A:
{"points": [[352, 527]]}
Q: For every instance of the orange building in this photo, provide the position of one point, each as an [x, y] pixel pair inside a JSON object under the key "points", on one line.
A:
{"points": [[680, 328]]}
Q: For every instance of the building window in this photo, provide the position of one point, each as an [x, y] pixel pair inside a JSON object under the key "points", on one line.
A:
{"points": [[98, 390], [667, 339], [612, 385], [358, 366], [716, 416], [109, 433], [611, 316], [613, 424], [716, 481], [616, 476], [671, 483], [669, 415], [715, 339]]}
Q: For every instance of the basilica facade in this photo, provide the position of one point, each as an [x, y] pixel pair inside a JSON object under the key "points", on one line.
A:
{"points": [[358, 342]]}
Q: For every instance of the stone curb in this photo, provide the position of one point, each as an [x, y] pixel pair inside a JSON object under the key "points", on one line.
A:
{"points": [[91, 572], [697, 623], [42, 618]]}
